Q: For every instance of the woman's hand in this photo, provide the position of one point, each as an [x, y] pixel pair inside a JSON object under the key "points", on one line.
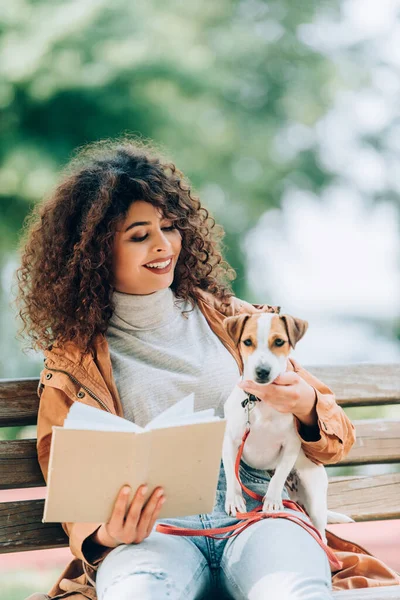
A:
{"points": [[288, 393], [138, 522]]}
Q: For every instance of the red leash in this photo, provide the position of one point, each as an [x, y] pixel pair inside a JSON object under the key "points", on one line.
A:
{"points": [[251, 517]]}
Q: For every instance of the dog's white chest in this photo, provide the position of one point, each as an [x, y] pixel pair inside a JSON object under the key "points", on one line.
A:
{"points": [[269, 431]]}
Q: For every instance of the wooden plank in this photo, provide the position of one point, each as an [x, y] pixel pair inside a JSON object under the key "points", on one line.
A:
{"points": [[377, 441], [21, 528], [370, 498], [354, 385], [19, 466], [19, 402], [391, 592], [361, 384]]}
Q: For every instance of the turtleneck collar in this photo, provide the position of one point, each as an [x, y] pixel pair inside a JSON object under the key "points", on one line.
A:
{"points": [[144, 312]]}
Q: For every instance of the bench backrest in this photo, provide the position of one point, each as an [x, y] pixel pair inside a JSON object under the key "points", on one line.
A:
{"points": [[378, 442]]}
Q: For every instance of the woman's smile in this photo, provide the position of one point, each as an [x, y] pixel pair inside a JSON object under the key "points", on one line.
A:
{"points": [[160, 267]]}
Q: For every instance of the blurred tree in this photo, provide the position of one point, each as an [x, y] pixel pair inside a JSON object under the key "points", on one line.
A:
{"points": [[215, 83]]}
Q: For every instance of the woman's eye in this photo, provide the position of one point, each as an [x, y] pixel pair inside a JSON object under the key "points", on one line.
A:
{"points": [[279, 342], [247, 342], [141, 239]]}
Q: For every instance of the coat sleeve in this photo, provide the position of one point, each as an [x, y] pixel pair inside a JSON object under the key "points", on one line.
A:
{"points": [[53, 408], [336, 433]]}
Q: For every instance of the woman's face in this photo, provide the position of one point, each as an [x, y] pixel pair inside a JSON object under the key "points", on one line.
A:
{"points": [[144, 237]]}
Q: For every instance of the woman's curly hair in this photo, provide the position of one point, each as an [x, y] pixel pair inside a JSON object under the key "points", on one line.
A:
{"points": [[65, 281]]}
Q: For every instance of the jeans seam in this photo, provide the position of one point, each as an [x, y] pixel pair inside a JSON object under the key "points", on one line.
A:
{"points": [[210, 543], [229, 578], [195, 578]]}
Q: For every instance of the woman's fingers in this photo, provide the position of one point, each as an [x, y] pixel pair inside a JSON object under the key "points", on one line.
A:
{"points": [[146, 517], [133, 524], [155, 514], [116, 523], [133, 515]]}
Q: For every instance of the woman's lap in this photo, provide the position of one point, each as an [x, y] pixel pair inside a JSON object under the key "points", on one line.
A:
{"points": [[162, 566], [270, 558]]}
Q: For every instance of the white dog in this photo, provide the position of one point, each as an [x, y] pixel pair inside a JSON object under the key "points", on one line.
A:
{"points": [[264, 342]]}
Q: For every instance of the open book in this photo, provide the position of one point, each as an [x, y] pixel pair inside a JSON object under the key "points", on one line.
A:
{"points": [[95, 453]]}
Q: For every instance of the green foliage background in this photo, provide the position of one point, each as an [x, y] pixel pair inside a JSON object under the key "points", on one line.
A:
{"points": [[212, 82]]}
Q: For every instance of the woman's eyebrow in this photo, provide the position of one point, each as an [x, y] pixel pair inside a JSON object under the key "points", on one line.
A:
{"points": [[137, 224]]}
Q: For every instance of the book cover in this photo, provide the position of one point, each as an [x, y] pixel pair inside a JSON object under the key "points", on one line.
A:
{"points": [[96, 453]]}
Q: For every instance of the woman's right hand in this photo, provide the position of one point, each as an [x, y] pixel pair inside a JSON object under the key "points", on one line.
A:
{"points": [[138, 522]]}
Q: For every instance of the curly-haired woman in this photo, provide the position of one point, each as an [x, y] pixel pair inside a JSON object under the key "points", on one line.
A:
{"points": [[123, 287]]}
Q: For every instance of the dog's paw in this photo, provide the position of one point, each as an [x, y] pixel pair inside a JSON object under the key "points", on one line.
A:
{"points": [[235, 503], [271, 504]]}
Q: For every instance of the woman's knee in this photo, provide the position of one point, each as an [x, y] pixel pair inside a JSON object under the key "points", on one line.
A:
{"points": [[276, 558], [145, 583], [283, 585], [289, 586]]}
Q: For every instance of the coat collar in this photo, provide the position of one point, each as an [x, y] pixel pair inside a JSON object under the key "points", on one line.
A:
{"points": [[93, 370]]}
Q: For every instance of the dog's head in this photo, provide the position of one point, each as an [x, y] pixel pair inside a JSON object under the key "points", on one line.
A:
{"points": [[264, 342]]}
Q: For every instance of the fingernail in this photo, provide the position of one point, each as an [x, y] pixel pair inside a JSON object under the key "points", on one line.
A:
{"points": [[126, 489], [144, 489], [160, 493], [162, 500]]}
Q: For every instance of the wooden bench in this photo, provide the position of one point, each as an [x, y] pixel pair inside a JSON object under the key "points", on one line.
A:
{"points": [[378, 442]]}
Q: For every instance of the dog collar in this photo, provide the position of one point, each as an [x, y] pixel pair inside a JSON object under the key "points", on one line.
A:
{"points": [[250, 398]]}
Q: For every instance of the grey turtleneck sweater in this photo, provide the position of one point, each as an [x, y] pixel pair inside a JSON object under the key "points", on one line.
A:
{"points": [[159, 356]]}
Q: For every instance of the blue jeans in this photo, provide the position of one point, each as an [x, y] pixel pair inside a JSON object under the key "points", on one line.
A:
{"points": [[270, 559]]}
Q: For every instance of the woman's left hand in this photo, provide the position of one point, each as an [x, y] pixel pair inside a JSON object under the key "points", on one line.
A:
{"points": [[288, 393]]}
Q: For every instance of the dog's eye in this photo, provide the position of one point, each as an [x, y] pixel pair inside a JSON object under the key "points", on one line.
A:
{"points": [[279, 342], [247, 342]]}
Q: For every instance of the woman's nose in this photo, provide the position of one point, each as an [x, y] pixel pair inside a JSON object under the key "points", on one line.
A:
{"points": [[162, 242]]}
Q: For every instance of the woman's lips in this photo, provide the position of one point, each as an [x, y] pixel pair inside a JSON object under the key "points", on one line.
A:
{"points": [[158, 271]]}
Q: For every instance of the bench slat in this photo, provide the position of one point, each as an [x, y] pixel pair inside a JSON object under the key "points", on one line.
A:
{"points": [[21, 528], [19, 466], [354, 385], [361, 384], [377, 442], [19, 401], [360, 497]]}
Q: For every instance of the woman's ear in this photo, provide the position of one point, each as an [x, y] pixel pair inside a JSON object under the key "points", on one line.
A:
{"points": [[234, 326]]}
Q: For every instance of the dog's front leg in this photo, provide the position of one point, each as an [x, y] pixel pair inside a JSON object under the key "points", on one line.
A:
{"points": [[272, 500], [234, 498]]}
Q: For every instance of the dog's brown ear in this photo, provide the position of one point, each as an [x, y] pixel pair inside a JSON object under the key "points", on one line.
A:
{"points": [[234, 326], [295, 328]]}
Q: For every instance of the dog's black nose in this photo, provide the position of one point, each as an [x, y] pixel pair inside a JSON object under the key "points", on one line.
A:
{"points": [[262, 373]]}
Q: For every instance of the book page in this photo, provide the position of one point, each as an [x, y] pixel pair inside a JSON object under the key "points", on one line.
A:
{"points": [[82, 416], [181, 409]]}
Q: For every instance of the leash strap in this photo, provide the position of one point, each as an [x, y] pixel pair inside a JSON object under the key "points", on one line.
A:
{"points": [[251, 517]]}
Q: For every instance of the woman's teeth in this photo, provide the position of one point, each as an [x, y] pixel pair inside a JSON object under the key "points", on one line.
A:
{"points": [[159, 265]]}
